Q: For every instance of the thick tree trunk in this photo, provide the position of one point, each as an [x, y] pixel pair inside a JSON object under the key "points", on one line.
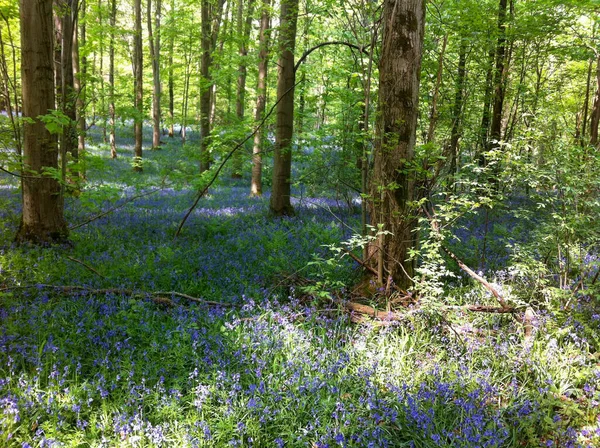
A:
{"points": [[138, 63], [280, 203], [261, 91], [244, 28], [42, 219], [392, 187], [154, 38], [111, 80]]}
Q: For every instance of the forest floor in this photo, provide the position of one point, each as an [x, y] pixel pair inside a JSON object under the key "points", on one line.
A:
{"points": [[235, 332]]}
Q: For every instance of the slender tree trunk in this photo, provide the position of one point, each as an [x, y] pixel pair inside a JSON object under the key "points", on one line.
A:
{"points": [[484, 129], [42, 219], [103, 114], [586, 103], [10, 88], [280, 203], [68, 91], [366, 144], [595, 119], [214, 40], [154, 38], [206, 89], [244, 28], [392, 188], [455, 133], [80, 69], [138, 63], [171, 81], [261, 91], [111, 80], [499, 80], [433, 114]]}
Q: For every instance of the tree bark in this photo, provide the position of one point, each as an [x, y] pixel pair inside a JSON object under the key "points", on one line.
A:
{"points": [[280, 203], [171, 81], [261, 91], [68, 93], [111, 80], [154, 38], [484, 128], [244, 28], [455, 133], [42, 219], [207, 87], [138, 65], [595, 119], [79, 69], [499, 81], [392, 187], [433, 115]]}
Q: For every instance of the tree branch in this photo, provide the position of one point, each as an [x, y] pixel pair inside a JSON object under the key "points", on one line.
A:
{"points": [[323, 44], [228, 156]]}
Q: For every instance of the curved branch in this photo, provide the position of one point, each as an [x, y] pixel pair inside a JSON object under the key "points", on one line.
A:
{"points": [[323, 44], [227, 157]]}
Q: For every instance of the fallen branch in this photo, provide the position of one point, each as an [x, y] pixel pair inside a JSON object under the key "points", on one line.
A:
{"points": [[435, 227], [397, 316], [479, 278], [88, 267], [69, 289]]}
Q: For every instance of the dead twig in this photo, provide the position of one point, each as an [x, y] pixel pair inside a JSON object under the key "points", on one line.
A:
{"points": [[71, 289], [88, 267]]}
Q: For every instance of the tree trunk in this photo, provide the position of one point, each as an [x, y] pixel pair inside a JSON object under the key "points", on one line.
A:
{"points": [[499, 81], [154, 38], [244, 28], [68, 93], [42, 219], [455, 133], [485, 116], [80, 68], [280, 203], [138, 65], [111, 80], [261, 91], [392, 187], [586, 103], [595, 119], [171, 81], [206, 88], [433, 114]]}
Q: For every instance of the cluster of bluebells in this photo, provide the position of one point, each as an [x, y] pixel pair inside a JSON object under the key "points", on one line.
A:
{"points": [[110, 369]]}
